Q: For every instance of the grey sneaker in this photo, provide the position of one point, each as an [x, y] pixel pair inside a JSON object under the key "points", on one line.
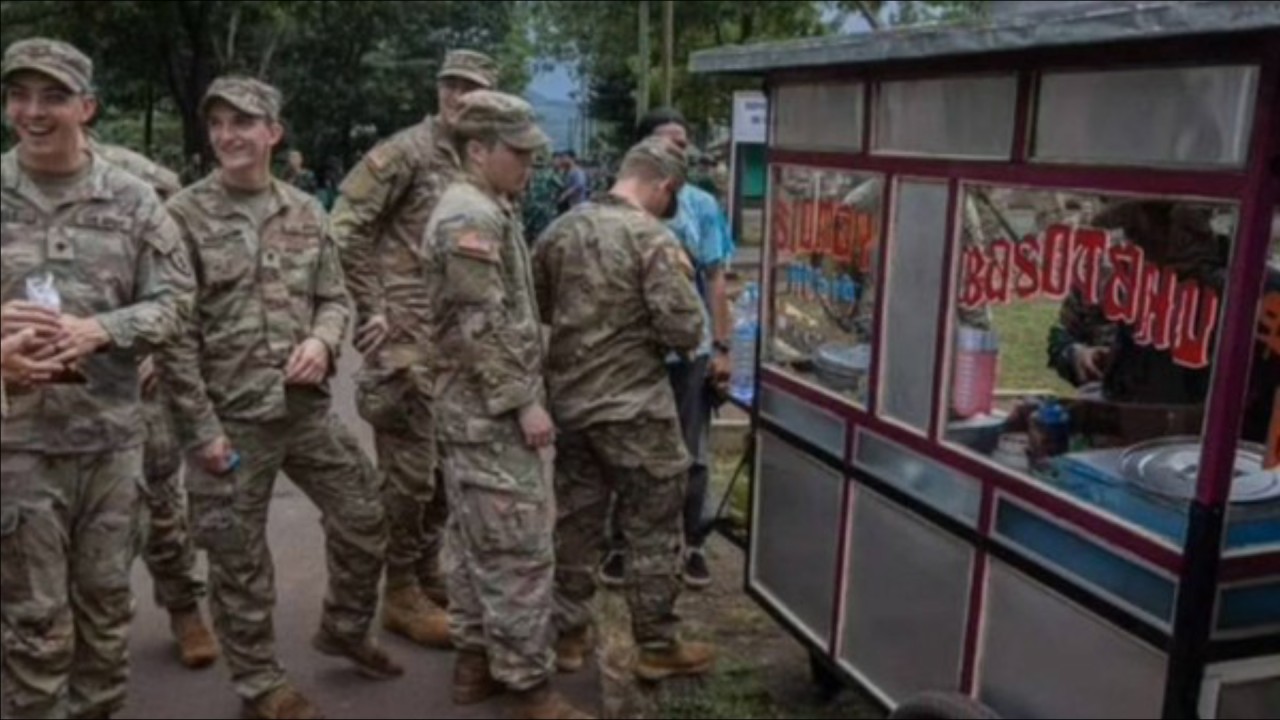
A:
{"points": [[697, 575]]}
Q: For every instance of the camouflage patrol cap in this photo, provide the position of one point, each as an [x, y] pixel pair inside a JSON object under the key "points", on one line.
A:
{"points": [[470, 65], [59, 60], [485, 113], [248, 95], [660, 154]]}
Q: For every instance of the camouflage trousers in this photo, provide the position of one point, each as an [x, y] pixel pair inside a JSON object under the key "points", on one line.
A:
{"points": [[321, 457], [66, 543], [500, 557], [165, 540], [644, 465], [398, 409]]}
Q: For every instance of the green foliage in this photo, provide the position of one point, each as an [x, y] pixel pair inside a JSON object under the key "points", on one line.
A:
{"points": [[887, 14], [602, 40], [351, 72]]}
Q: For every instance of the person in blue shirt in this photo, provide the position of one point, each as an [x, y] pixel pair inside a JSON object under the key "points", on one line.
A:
{"points": [[702, 228], [576, 186]]}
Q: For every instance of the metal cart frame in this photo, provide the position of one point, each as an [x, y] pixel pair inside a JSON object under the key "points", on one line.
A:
{"points": [[1198, 657]]}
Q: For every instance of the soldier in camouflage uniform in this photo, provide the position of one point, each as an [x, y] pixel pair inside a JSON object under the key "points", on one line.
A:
{"points": [[168, 551], [1084, 347], [378, 223], [495, 434], [538, 207], [613, 317], [250, 377], [72, 452]]}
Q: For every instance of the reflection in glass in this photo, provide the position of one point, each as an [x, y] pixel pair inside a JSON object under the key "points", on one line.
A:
{"points": [[1162, 116], [1254, 520], [824, 235], [1262, 417], [820, 116], [1086, 326], [951, 117]]}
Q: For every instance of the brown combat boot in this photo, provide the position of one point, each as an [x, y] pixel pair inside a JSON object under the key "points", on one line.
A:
{"points": [[543, 703], [370, 660], [571, 650], [436, 593], [283, 703], [682, 658], [407, 613], [196, 645], [472, 681]]}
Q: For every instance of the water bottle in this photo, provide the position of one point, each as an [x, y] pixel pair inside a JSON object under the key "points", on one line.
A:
{"points": [[42, 290], [1050, 432], [974, 384], [745, 330]]}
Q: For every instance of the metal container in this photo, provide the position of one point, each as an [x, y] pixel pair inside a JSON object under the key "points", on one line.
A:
{"points": [[841, 366], [1171, 466], [980, 434]]}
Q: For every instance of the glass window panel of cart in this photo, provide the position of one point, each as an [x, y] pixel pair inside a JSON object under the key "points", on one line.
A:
{"points": [[1255, 494], [1081, 354], [824, 236]]}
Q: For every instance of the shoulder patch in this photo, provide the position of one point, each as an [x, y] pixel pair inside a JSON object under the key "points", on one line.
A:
{"points": [[474, 244], [379, 158]]}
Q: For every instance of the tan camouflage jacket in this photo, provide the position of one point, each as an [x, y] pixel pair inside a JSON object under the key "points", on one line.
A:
{"points": [[378, 223], [482, 322], [114, 254], [616, 289], [164, 181], [261, 292]]}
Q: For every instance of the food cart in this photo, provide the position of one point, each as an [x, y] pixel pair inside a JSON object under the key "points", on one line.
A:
{"points": [[1016, 411]]}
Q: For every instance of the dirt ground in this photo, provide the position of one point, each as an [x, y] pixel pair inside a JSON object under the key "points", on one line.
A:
{"points": [[763, 672]]}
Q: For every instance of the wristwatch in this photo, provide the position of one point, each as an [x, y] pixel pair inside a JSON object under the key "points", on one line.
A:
{"points": [[722, 346]]}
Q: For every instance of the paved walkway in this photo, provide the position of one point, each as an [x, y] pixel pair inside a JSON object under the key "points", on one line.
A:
{"points": [[161, 688]]}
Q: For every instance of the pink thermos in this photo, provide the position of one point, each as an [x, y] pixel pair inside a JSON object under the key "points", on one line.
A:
{"points": [[973, 388]]}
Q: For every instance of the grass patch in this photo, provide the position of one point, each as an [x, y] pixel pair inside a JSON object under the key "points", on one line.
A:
{"points": [[724, 465], [734, 691], [739, 690], [1023, 328]]}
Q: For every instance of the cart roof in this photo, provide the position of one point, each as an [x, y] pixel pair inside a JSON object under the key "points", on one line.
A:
{"points": [[1064, 27]]}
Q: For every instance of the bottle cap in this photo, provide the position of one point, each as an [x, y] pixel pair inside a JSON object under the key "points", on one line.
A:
{"points": [[233, 463]]}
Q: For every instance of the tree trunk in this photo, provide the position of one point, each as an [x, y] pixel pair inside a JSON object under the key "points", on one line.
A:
{"points": [[668, 50], [642, 99], [269, 54], [189, 77], [148, 120]]}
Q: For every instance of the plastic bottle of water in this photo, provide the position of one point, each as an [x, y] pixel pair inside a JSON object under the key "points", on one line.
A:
{"points": [[746, 330]]}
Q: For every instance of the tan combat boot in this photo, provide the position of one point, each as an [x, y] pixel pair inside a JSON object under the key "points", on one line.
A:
{"points": [[682, 658], [472, 681], [370, 660], [283, 703], [571, 650], [196, 645], [407, 613], [543, 703]]}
